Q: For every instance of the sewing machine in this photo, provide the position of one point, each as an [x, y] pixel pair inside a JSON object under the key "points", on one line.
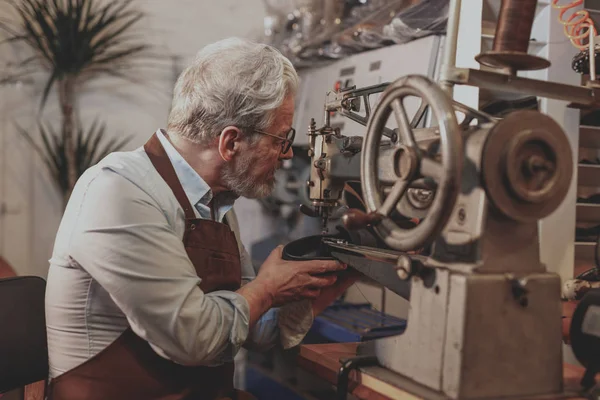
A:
{"points": [[485, 314]]}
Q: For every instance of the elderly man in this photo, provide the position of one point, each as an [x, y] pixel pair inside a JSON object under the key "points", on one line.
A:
{"points": [[150, 294]]}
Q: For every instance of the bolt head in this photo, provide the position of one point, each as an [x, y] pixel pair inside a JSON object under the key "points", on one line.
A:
{"points": [[462, 215], [402, 273], [404, 267]]}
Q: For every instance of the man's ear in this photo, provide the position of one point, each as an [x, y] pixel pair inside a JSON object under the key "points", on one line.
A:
{"points": [[230, 141]]}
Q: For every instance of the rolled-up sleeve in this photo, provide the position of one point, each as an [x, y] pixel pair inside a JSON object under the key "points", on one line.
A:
{"points": [[123, 239]]}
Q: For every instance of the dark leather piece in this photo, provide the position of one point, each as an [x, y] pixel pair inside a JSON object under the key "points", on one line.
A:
{"points": [[584, 336], [313, 248], [590, 118], [587, 234], [593, 199], [590, 275], [309, 248], [590, 162]]}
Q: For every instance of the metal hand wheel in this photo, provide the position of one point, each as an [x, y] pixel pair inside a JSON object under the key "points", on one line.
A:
{"points": [[411, 163]]}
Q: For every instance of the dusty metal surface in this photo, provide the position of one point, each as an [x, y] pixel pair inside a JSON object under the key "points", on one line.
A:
{"points": [[578, 95], [485, 322], [381, 272], [527, 165], [410, 163]]}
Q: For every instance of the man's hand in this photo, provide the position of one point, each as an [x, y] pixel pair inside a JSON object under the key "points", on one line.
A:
{"points": [[279, 282], [289, 281]]}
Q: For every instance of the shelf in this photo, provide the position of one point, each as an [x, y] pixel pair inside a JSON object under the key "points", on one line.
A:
{"points": [[588, 175], [532, 43], [588, 212], [589, 136], [585, 250], [592, 12]]}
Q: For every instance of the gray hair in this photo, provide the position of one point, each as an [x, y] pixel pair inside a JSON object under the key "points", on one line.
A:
{"points": [[233, 82]]}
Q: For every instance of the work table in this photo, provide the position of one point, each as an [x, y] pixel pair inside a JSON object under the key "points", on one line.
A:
{"points": [[323, 360]]}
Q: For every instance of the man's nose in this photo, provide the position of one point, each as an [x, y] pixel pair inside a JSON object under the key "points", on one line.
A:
{"points": [[287, 155]]}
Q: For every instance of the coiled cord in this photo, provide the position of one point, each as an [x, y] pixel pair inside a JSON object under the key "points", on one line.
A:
{"points": [[578, 25]]}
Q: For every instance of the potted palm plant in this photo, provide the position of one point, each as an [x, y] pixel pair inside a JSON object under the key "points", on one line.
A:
{"points": [[73, 42]]}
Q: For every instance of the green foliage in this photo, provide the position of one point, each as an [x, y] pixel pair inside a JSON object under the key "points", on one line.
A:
{"points": [[89, 149], [76, 38], [74, 41]]}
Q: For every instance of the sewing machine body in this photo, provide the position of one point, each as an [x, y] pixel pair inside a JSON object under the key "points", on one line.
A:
{"points": [[485, 314], [489, 324], [487, 298]]}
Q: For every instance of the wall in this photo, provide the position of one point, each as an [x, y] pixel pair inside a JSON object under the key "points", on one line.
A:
{"points": [[30, 207]]}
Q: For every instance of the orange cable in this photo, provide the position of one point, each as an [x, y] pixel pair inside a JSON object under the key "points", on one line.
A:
{"points": [[578, 25]]}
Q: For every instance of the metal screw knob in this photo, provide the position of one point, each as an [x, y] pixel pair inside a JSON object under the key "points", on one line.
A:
{"points": [[404, 267]]}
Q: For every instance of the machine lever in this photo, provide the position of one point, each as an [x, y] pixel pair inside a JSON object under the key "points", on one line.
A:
{"points": [[382, 272], [355, 219], [344, 372]]}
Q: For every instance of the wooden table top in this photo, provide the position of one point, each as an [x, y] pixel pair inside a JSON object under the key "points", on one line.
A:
{"points": [[324, 360]]}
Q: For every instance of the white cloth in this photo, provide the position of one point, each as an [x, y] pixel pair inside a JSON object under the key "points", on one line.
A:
{"points": [[119, 261]]}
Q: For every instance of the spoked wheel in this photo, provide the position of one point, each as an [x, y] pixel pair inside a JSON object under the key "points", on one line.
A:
{"points": [[411, 163]]}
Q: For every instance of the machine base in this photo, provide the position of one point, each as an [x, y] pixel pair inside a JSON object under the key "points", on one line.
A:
{"points": [[422, 392]]}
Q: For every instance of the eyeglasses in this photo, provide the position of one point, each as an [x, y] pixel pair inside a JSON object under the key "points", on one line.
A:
{"points": [[286, 142]]}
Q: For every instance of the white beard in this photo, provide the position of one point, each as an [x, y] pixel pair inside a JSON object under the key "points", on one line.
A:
{"points": [[238, 178]]}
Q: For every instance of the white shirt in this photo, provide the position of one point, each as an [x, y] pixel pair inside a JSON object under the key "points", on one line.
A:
{"points": [[119, 262]]}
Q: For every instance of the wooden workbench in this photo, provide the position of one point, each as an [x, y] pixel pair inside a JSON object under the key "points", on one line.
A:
{"points": [[323, 360]]}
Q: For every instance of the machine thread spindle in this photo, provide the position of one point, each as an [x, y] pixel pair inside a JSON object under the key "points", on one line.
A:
{"points": [[514, 25]]}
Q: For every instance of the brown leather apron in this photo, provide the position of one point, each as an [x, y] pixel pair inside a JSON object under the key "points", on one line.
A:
{"points": [[128, 369]]}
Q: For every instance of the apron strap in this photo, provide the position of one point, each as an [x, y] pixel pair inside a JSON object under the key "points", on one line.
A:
{"points": [[159, 158]]}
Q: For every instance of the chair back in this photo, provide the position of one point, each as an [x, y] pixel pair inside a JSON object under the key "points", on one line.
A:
{"points": [[23, 343]]}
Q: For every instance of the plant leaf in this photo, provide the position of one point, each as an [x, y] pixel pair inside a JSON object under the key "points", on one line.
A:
{"points": [[75, 37], [47, 88], [43, 155]]}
